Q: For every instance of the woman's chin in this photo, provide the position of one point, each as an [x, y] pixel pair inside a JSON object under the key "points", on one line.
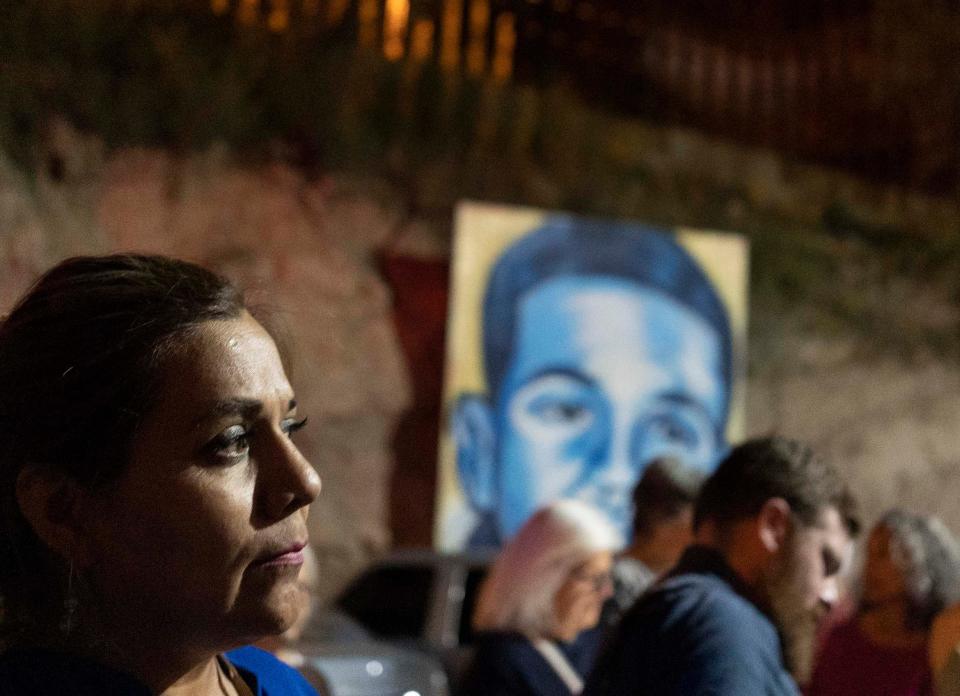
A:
{"points": [[273, 614]]}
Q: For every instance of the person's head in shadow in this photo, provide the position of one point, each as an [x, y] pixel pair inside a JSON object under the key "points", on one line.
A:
{"points": [[551, 579], [604, 346], [154, 504], [911, 573], [663, 503]]}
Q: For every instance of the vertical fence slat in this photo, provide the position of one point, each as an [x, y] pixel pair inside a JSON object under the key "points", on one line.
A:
{"points": [[819, 79]]}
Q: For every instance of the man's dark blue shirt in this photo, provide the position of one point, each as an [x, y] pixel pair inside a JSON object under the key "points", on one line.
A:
{"points": [[697, 633]]}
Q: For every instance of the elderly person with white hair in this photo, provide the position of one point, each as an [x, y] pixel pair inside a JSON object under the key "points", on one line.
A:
{"points": [[912, 572], [547, 585]]}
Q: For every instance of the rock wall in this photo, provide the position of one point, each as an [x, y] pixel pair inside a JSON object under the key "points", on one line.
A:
{"points": [[309, 253], [892, 427]]}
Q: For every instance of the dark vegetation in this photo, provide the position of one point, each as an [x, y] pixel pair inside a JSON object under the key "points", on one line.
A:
{"points": [[173, 74]]}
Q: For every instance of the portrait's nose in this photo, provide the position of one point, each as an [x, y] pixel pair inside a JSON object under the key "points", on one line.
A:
{"points": [[614, 475], [619, 471], [287, 479]]}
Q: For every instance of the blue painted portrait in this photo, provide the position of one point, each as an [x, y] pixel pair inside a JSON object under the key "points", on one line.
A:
{"points": [[604, 346]]}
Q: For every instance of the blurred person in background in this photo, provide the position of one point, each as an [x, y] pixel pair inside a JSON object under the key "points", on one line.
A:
{"points": [[912, 571], [738, 613], [944, 652], [547, 585], [662, 528], [663, 502]]}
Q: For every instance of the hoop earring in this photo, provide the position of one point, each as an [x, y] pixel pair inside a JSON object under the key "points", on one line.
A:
{"points": [[70, 604]]}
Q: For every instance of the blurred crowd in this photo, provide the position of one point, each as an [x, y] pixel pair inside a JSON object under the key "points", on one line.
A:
{"points": [[154, 510], [748, 582]]}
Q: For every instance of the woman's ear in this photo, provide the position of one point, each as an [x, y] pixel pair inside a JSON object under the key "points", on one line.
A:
{"points": [[774, 522], [50, 501]]}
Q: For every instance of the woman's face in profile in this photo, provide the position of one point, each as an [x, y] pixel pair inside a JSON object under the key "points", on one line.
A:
{"points": [[579, 600], [883, 579], [202, 534]]}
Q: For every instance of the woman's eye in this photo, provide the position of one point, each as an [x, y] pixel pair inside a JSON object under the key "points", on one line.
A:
{"points": [[232, 443], [290, 426]]}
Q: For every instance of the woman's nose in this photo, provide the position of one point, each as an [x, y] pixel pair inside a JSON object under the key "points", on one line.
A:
{"points": [[289, 481]]}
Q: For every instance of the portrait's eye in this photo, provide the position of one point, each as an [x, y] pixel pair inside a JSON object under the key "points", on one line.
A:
{"points": [[831, 562], [674, 430], [558, 411], [232, 444], [290, 425], [555, 408]]}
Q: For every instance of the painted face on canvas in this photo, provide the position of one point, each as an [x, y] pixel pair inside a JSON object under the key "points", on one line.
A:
{"points": [[605, 375]]}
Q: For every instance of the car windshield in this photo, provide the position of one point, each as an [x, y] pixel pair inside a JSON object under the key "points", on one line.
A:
{"points": [[391, 601]]}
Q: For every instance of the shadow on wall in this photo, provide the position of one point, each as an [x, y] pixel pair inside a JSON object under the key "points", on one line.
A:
{"points": [[420, 289]]}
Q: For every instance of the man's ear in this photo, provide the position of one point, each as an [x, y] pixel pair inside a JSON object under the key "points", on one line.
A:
{"points": [[50, 501], [773, 524], [475, 438]]}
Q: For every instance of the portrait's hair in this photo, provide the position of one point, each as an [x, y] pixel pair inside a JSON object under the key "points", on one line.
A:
{"points": [[928, 556], [80, 362], [666, 488], [568, 246], [519, 591], [758, 470]]}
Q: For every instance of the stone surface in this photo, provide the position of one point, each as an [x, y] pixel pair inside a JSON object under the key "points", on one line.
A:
{"points": [[310, 252], [892, 428]]}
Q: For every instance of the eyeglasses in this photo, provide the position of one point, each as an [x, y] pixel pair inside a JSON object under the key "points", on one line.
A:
{"points": [[598, 581]]}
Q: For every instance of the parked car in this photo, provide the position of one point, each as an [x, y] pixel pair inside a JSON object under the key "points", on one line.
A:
{"points": [[372, 669], [420, 599], [341, 658]]}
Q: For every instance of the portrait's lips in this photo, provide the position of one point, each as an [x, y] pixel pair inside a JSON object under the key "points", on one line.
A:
{"points": [[290, 555]]}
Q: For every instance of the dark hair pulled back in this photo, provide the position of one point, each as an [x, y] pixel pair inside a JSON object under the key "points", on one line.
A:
{"points": [[80, 356], [775, 467]]}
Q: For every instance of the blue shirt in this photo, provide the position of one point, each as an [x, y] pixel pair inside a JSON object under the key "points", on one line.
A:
{"points": [[695, 634], [268, 676]]}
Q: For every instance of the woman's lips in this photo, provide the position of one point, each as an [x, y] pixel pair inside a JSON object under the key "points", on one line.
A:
{"points": [[292, 555]]}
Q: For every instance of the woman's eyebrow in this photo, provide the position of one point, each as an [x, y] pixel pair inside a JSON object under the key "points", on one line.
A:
{"points": [[248, 408]]}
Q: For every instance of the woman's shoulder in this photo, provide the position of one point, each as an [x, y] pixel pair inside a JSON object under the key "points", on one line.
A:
{"points": [[266, 675]]}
